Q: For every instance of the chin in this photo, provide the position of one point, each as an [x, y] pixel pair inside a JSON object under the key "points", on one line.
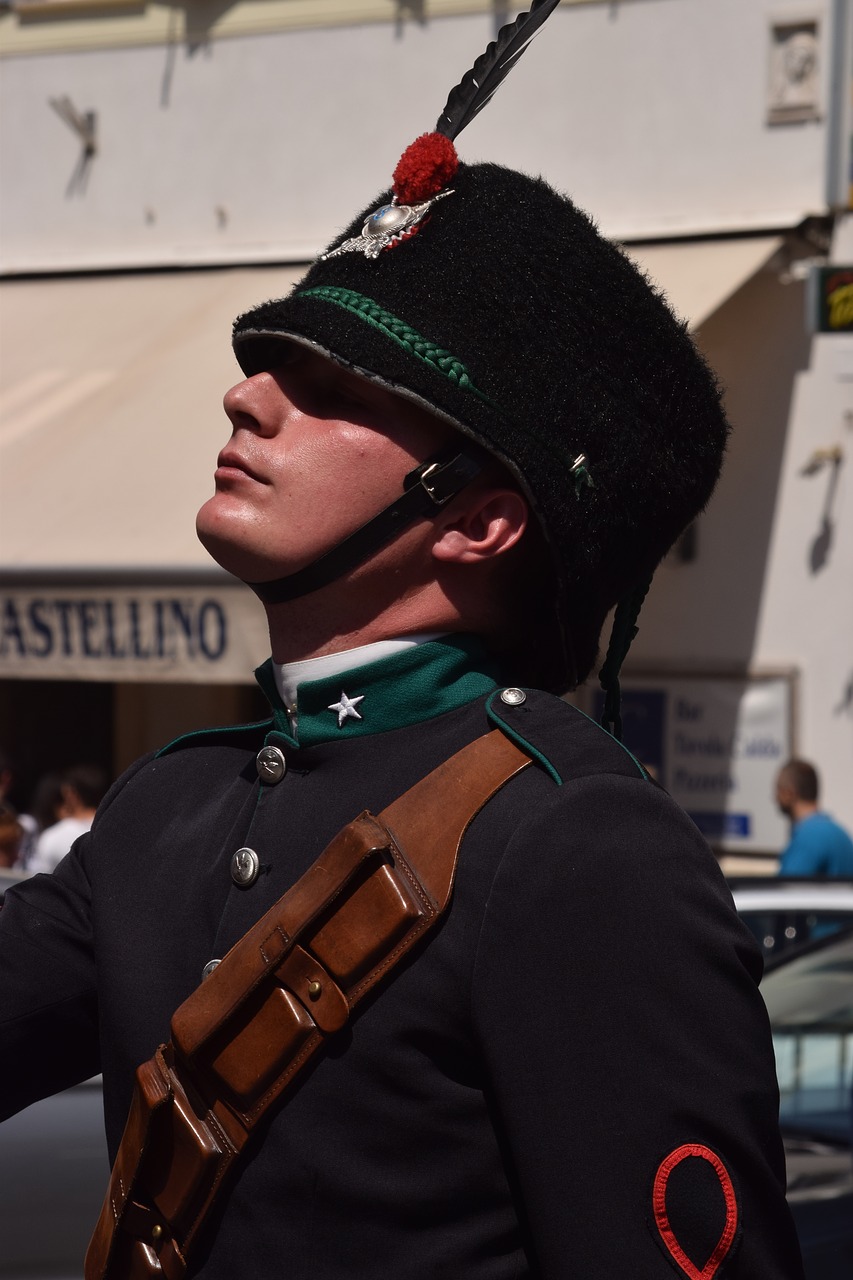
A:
{"points": [[227, 543], [240, 547]]}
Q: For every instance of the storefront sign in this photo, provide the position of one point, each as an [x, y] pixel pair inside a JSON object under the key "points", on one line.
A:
{"points": [[830, 299], [716, 745], [159, 634]]}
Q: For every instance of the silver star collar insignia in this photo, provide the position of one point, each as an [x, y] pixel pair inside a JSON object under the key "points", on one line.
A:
{"points": [[385, 227], [346, 708]]}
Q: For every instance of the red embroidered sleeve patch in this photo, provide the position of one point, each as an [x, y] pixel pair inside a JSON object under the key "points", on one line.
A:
{"points": [[695, 1270]]}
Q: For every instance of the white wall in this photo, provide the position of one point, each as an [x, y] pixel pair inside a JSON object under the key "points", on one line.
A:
{"points": [[705, 613], [771, 588], [651, 113], [807, 605]]}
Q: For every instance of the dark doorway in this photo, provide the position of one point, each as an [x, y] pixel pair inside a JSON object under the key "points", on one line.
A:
{"points": [[49, 725]]}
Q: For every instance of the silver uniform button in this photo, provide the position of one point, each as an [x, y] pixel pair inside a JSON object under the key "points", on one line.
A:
{"points": [[208, 968], [513, 697], [245, 865], [271, 765]]}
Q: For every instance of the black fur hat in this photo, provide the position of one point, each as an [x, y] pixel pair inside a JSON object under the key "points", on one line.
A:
{"points": [[500, 307]]}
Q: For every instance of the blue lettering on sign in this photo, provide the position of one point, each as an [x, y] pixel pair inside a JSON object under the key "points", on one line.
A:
{"points": [[185, 621], [136, 631], [141, 629], [63, 608], [114, 649], [159, 629], [41, 644], [687, 780], [11, 632], [761, 748], [212, 630], [89, 626], [714, 826]]}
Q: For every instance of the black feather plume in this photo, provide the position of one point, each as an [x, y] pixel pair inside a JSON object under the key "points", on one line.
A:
{"points": [[479, 84]]}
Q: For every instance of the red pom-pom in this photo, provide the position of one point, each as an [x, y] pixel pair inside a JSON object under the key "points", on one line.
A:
{"points": [[425, 168]]}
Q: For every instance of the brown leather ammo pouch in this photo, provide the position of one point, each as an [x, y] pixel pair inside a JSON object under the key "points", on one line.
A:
{"points": [[291, 981]]}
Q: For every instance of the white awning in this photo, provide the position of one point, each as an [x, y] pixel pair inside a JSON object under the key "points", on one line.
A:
{"points": [[111, 413], [699, 276]]}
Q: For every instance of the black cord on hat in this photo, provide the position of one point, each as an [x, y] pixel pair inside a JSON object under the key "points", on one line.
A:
{"points": [[621, 638]]}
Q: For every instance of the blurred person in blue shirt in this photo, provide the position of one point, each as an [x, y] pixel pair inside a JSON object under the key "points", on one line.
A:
{"points": [[818, 845]]}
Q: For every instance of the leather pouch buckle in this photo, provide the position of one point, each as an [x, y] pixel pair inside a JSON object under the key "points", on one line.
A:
{"points": [[315, 988]]}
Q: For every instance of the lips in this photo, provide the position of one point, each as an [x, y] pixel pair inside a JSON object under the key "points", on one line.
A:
{"points": [[229, 462]]}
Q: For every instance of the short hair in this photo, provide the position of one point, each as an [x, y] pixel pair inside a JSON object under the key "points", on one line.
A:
{"points": [[802, 778], [89, 781], [11, 834]]}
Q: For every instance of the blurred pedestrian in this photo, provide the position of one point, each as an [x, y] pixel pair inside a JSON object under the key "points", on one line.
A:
{"points": [[46, 801], [11, 836], [81, 791], [28, 826], [818, 846]]}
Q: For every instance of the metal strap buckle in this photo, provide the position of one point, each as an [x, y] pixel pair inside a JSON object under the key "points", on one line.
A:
{"points": [[431, 470]]}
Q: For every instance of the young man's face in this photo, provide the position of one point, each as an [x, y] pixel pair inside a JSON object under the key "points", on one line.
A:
{"points": [[315, 452]]}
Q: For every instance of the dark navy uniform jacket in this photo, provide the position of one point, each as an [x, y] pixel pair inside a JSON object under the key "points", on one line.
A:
{"points": [[574, 1078]]}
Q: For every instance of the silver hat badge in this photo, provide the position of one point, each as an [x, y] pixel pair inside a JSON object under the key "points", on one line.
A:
{"points": [[386, 226]]}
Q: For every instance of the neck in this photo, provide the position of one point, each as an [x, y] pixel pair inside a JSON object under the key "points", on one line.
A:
{"points": [[803, 809], [324, 623]]}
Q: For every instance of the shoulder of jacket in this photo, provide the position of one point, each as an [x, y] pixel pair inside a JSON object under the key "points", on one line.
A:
{"points": [[565, 741], [238, 735]]}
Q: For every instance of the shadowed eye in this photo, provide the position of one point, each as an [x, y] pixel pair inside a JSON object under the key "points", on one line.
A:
{"points": [[350, 394]]}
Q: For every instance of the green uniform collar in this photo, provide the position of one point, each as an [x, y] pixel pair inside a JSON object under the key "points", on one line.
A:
{"points": [[406, 688]]}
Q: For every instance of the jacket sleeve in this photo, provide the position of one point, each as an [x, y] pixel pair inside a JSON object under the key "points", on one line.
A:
{"points": [[48, 992], [48, 984], [616, 1000]]}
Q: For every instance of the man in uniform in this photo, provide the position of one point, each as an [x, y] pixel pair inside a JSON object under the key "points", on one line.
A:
{"points": [[471, 430]]}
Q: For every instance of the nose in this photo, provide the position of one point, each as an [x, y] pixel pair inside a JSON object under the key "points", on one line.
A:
{"points": [[257, 404]]}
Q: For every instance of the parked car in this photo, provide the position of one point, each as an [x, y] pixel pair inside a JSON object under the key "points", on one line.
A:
{"points": [[809, 996], [787, 913], [53, 1172], [804, 929]]}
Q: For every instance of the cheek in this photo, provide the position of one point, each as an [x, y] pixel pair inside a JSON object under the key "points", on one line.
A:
{"points": [[351, 465]]}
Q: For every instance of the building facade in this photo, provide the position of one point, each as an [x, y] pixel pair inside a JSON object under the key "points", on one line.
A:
{"points": [[167, 165]]}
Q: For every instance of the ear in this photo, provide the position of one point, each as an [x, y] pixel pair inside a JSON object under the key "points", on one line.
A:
{"points": [[479, 524]]}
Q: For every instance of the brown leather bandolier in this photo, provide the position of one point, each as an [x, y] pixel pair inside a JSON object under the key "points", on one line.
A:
{"points": [[266, 1010]]}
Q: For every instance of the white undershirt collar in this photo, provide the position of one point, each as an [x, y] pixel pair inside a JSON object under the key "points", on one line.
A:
{"points": [[289, 675]]}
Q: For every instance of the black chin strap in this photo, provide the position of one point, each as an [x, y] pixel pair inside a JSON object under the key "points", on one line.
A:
{"points": [[426, 490]]}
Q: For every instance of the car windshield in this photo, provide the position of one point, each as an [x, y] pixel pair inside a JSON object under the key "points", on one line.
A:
{"points": [[810, 1002]]}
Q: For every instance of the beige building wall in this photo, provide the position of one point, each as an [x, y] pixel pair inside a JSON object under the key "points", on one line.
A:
{"points": [[771, 585]]}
